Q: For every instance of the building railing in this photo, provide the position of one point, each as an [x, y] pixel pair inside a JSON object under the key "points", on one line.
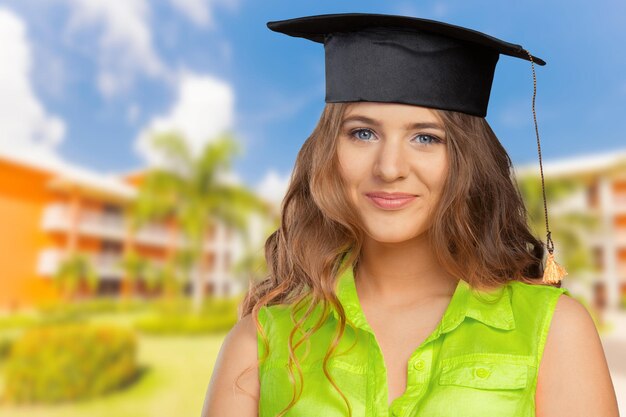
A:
{"points": [[106, 265], [56, 217]]}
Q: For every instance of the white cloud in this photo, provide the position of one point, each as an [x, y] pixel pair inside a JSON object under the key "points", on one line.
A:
{"points": [[273, 187], [24, 123], [203, 109], [125, 47], [200, 12]]}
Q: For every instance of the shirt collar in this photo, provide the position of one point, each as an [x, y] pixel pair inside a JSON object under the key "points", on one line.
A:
{"points": [[492, 307]]}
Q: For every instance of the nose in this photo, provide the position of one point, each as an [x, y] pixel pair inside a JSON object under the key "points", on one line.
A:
{"points": [[391, 161]]}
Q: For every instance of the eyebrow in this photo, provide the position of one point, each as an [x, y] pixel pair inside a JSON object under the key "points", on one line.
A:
{"points": [[374, 122]]}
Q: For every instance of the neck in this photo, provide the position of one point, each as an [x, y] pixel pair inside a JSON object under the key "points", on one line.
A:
{"points": [[401, 274]]}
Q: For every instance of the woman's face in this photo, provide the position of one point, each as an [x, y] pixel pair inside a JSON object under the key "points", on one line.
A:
{"points": [[393, 148]]}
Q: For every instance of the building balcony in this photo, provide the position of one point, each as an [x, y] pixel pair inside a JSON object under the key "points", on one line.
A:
{"points": [[57, 218], [106, 265]]}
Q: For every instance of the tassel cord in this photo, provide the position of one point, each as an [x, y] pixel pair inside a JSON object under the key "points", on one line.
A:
{"points": [[553, 272]]}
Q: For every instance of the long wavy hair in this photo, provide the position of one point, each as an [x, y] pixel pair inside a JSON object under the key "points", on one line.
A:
{"points": [[479, 231]]}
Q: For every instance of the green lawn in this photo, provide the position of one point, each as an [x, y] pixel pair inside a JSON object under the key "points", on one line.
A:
{"points": [[177, 372]]}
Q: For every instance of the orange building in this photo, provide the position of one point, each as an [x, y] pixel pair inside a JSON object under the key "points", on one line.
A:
{"points": [[49, 209]]}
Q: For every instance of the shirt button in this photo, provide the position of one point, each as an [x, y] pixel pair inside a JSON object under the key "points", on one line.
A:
{"points": [[419, 364], [482, 373]]}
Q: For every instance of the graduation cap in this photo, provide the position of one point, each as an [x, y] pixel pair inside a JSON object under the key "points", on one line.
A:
{"points": [[403, 59]]}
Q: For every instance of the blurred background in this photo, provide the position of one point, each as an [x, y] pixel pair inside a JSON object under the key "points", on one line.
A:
{"points": [[145, 147]]}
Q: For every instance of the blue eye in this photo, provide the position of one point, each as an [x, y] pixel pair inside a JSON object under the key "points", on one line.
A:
{"points": [[366, 135], [361, 134], [433, 139]]}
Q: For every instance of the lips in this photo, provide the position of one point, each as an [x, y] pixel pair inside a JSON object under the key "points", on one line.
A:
{"points": [[389, 196], [390, 201]]}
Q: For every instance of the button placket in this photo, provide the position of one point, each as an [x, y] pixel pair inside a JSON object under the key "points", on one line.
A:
{"points": [[419, 364], [482, 373], [419, 368]]}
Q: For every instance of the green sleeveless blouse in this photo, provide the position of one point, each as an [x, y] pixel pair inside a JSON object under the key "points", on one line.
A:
{"points": [[482, 359]]}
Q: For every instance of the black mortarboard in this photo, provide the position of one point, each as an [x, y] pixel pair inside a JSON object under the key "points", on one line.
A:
{"points": [[402, 59]]}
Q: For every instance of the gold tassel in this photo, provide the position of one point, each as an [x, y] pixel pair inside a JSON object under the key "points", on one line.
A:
{"points": [[553, 273]]}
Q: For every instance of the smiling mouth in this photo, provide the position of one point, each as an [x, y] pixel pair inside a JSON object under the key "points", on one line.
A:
{"points": [[391, 203]]}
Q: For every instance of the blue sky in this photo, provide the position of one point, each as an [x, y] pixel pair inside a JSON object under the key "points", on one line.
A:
{"points": [[87, 79]]}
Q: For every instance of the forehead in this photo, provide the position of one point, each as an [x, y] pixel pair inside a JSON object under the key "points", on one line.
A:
{"points": [[392, 112]]}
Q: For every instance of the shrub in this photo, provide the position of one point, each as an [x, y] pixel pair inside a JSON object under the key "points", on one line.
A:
{"points": [[69, 362], [5, 347], [176, 316], [186, 324], [17, 321], [90, 307]]}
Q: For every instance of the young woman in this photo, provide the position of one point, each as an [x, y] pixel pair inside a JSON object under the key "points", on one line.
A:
{"points": [[404, 280]]}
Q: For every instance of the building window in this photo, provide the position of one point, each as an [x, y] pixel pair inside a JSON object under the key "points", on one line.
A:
{"points": [[593, 194], [112, 214], [108, 287], [598, 259]]}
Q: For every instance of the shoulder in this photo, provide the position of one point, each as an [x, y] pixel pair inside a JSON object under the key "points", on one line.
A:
{"points": [[242, 338], [573, 376], [234, 387]]}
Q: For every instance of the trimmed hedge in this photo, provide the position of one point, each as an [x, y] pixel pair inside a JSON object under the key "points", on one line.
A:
{"points": [[69, 362], [177, 317], [186, 324], [17, 321]]}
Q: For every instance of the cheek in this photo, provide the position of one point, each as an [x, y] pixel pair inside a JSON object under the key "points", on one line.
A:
{"points": [[440, 177], [433, 177], [438, 172], [352, 168]]}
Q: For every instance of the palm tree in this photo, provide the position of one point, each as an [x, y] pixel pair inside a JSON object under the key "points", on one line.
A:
{"points": [[135, 267], [163, 276], [72, 272], [187, 189], [252, 266]]}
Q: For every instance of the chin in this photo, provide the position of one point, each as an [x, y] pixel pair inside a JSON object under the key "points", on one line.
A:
{"points": [[402, 234]]}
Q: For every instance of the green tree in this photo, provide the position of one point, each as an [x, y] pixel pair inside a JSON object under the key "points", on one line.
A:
{"points": [[252, 266], [135, 267], [188, 190], [165, 277], [74, 270]]}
